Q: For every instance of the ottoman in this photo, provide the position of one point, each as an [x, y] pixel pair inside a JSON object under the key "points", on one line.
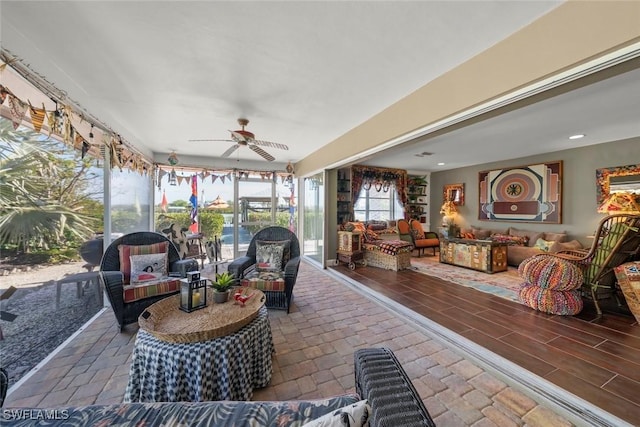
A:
{"points": [[551, 285]]}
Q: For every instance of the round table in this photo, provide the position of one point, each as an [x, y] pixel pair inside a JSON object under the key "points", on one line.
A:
{"points": [[224, 368]]}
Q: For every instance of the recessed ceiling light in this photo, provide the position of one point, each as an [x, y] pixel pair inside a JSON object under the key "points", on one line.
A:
{"points": [[441, 164], [577, 136]]}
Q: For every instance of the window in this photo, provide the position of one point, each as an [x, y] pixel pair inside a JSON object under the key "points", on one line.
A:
{"points": [[379, 205]]}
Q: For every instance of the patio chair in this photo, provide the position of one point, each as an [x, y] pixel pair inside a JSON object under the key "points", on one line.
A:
{"points": [[258, 268], [114, 276], [616, 241]]}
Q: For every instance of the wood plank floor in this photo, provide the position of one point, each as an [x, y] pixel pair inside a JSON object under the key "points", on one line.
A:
{"points": [[597, 360]]}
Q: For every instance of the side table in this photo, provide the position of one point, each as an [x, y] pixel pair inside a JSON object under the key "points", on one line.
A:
{"points": [[224, 368]]}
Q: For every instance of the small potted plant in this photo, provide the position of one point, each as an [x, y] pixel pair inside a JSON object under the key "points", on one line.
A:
{"points": [[221, 286]]}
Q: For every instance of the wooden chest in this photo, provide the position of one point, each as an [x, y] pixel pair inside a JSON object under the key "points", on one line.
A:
{"points": [[481, 255]]}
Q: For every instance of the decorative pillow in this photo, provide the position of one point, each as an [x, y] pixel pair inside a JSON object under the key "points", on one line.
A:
{"points": [[481, 234], [148, 267], [417, 235], [370, 236], [510, 240], [376, 225], [544, 245], [286, 251], [269, 256], [178, 236], [126, 251], [354, 415], [355, 226], [417, 230]]}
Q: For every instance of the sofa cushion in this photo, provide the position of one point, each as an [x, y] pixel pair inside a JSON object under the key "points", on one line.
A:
{"points": [[481, 234], [197, 414], [126, 251], [558, 237], [140, 290], [532, 236], [568, 246], [353, 415]]}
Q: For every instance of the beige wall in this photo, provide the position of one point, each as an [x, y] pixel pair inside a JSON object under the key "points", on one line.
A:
{"points": [[568, 36], [579, 216]]}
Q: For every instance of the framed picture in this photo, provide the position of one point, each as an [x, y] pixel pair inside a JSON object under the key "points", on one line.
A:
{"points": [[531, 193], [454, 193], [421, 200], [618, 189]]}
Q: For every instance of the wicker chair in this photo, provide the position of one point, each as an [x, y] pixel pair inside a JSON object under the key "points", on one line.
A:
{"points": [[112, 278], [242, 266], [617, 240]]}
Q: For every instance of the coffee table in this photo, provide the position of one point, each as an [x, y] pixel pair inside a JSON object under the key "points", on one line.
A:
{"points": [[195, 356]]}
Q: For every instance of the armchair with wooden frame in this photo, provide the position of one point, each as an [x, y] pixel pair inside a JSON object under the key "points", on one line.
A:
{"points": [[616, 241], [411, 231]]}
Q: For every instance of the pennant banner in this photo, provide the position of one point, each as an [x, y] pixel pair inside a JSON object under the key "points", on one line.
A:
{"points": [[37, 116], [18, 110]]}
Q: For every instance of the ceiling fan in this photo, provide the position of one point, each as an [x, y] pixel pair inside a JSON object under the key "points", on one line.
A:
{"points": [[243, 137]]}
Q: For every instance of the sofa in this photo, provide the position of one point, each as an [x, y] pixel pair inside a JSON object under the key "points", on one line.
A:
{"points": [[384, 396], [523, 244]]}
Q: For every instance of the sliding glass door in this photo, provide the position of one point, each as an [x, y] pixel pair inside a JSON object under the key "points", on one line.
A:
{"points": [[313, 217]]}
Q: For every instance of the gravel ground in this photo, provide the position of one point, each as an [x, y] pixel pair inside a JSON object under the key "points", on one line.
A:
{"points": [[39, 327]]}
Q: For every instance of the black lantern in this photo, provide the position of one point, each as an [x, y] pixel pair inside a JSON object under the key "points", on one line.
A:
{"points": [[193, 292]]}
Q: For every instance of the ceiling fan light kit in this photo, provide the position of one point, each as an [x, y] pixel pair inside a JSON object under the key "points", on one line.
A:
{"points": [[248, 139]]}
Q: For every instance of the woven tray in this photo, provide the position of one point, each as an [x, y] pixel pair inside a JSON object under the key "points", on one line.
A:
{"points": [[168, 323]]}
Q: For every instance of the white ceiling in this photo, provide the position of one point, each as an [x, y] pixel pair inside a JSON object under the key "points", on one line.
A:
{"points": [[303, 73]]}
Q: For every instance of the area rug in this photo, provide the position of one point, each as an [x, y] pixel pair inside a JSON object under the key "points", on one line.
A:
{"points": [[505, 284]]}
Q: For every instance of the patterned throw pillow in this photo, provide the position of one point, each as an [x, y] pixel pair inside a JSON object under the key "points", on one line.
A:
{"points": [[510, 240], [126, 251], [371, 236], [269, 256], [286, 252], [148, 267], [544, 245], [354, 415], [178, 236]]}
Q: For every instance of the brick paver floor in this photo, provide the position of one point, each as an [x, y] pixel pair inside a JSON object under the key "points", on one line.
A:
{"points": [[314, 358]]}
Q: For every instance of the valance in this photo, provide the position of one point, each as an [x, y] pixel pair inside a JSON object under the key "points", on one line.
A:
{"points": [[379, 178]]}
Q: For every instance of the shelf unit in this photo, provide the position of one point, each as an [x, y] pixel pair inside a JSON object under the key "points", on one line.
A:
{"points": [[417, 193], [344, 195]]}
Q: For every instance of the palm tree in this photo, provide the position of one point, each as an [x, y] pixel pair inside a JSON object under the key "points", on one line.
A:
{"points": [[41, 190]]}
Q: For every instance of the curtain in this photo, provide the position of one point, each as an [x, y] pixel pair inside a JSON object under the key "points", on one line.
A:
{"points": [[379, 178]]}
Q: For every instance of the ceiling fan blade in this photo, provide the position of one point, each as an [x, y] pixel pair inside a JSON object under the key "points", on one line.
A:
{"points": [[210, 140], [270, 144], [263, 153], [231, 149]]}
